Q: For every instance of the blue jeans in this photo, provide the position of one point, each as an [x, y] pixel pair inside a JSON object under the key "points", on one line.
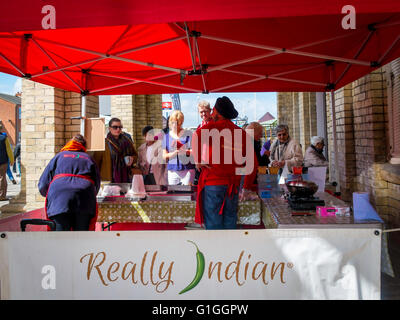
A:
{"points": [[17, 165], [213, 198], [9, 173]]}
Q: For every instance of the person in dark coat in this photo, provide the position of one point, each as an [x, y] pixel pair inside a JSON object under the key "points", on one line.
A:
{"points": [[116, 163], [70, 183]]}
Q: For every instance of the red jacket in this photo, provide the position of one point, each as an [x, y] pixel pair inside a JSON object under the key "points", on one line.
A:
{"points": [[228, 144]]}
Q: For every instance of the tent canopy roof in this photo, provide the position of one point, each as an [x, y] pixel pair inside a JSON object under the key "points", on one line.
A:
{"points": [[203, 46]]}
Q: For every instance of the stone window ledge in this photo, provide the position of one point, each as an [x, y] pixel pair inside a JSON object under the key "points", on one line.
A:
{"points": [[390, 172]]}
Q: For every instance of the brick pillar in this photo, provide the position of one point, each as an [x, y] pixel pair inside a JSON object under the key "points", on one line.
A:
{"points": [[148, 109], [45, 127], [370, 123], [313, 113], [136, 112], [345, 140], [141, 119], [295, 133], [298, 111], [307, 118], [122, 108], [329, 132], [304, 119], [154, 110], [73, 108], [285, 109], [42, 136]]}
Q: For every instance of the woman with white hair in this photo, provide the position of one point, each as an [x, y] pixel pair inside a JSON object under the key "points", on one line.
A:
{"points": [[313, 156]]}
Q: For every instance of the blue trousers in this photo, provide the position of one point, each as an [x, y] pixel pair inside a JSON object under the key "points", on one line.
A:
{"points": [[17, 165], [213, 198], [9, 173]]}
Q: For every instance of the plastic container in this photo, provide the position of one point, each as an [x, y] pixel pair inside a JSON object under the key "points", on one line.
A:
{"points": [[297, 170], [326, 211], [343, 211], [268, 186], [333, 211], [273, 170]]}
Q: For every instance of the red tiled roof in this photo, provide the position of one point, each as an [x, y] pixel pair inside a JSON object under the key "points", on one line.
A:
{"points": [[266, 117]]}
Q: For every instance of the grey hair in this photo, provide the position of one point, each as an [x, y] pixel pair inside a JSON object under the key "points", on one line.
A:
{"points": [[204, 103], [316, 139], [281, 127]]}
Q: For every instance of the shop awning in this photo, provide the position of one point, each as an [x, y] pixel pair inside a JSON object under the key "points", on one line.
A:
{"points": [[146, 47]]}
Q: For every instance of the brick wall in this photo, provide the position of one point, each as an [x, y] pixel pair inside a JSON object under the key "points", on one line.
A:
{"points": [[73, 102], [369, 122], [285, 109], [345, 140], [46, 127], [374, 174], [298, 111], [42, 112], [136, 112], [9, 120], [141, 117], [362, 133], [154, 110], [307, 115], [121, 108], [362, 139]]}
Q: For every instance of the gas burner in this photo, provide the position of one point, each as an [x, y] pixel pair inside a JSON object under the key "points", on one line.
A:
{"points": [[305, 203]]}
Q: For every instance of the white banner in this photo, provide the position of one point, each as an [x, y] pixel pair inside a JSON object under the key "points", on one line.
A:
{"points": [[231, 264]]}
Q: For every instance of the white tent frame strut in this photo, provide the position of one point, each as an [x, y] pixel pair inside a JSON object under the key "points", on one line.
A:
{"points": [[193, 49]]}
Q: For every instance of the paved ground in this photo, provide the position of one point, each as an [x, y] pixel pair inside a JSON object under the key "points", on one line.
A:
{"points": [[12, 191], [390, 286]]}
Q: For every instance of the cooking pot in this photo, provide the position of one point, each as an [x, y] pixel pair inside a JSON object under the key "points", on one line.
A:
{"points": [[301, 188]]}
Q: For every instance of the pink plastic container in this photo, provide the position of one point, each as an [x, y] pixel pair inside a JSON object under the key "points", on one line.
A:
{"points": [[326, 211]]}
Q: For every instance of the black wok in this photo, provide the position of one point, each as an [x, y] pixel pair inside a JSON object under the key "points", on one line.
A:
{"points": [[301, 188]]}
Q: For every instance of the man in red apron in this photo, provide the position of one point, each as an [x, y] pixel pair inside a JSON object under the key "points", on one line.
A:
{"points": [[70, 183], [224, 153]]}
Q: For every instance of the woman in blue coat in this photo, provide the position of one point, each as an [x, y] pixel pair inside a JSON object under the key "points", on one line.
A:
{"points": [[70, 183]]}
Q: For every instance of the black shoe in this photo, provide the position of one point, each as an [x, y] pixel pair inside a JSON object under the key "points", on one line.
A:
{"points": [[13, 181]]}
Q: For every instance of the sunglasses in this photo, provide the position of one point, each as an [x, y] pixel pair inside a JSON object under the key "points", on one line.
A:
{"points": [[116, 127]]}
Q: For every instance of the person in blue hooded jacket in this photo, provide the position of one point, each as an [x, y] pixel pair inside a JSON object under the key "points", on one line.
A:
{"points": [[70, 183]]}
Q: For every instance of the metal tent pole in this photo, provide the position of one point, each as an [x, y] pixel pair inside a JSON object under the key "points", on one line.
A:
{"points": [[83, 114], [335, 145]]}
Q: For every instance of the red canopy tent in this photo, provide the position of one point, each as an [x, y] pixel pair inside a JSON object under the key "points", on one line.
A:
{"points": [[139, 47], [145, 47]]}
